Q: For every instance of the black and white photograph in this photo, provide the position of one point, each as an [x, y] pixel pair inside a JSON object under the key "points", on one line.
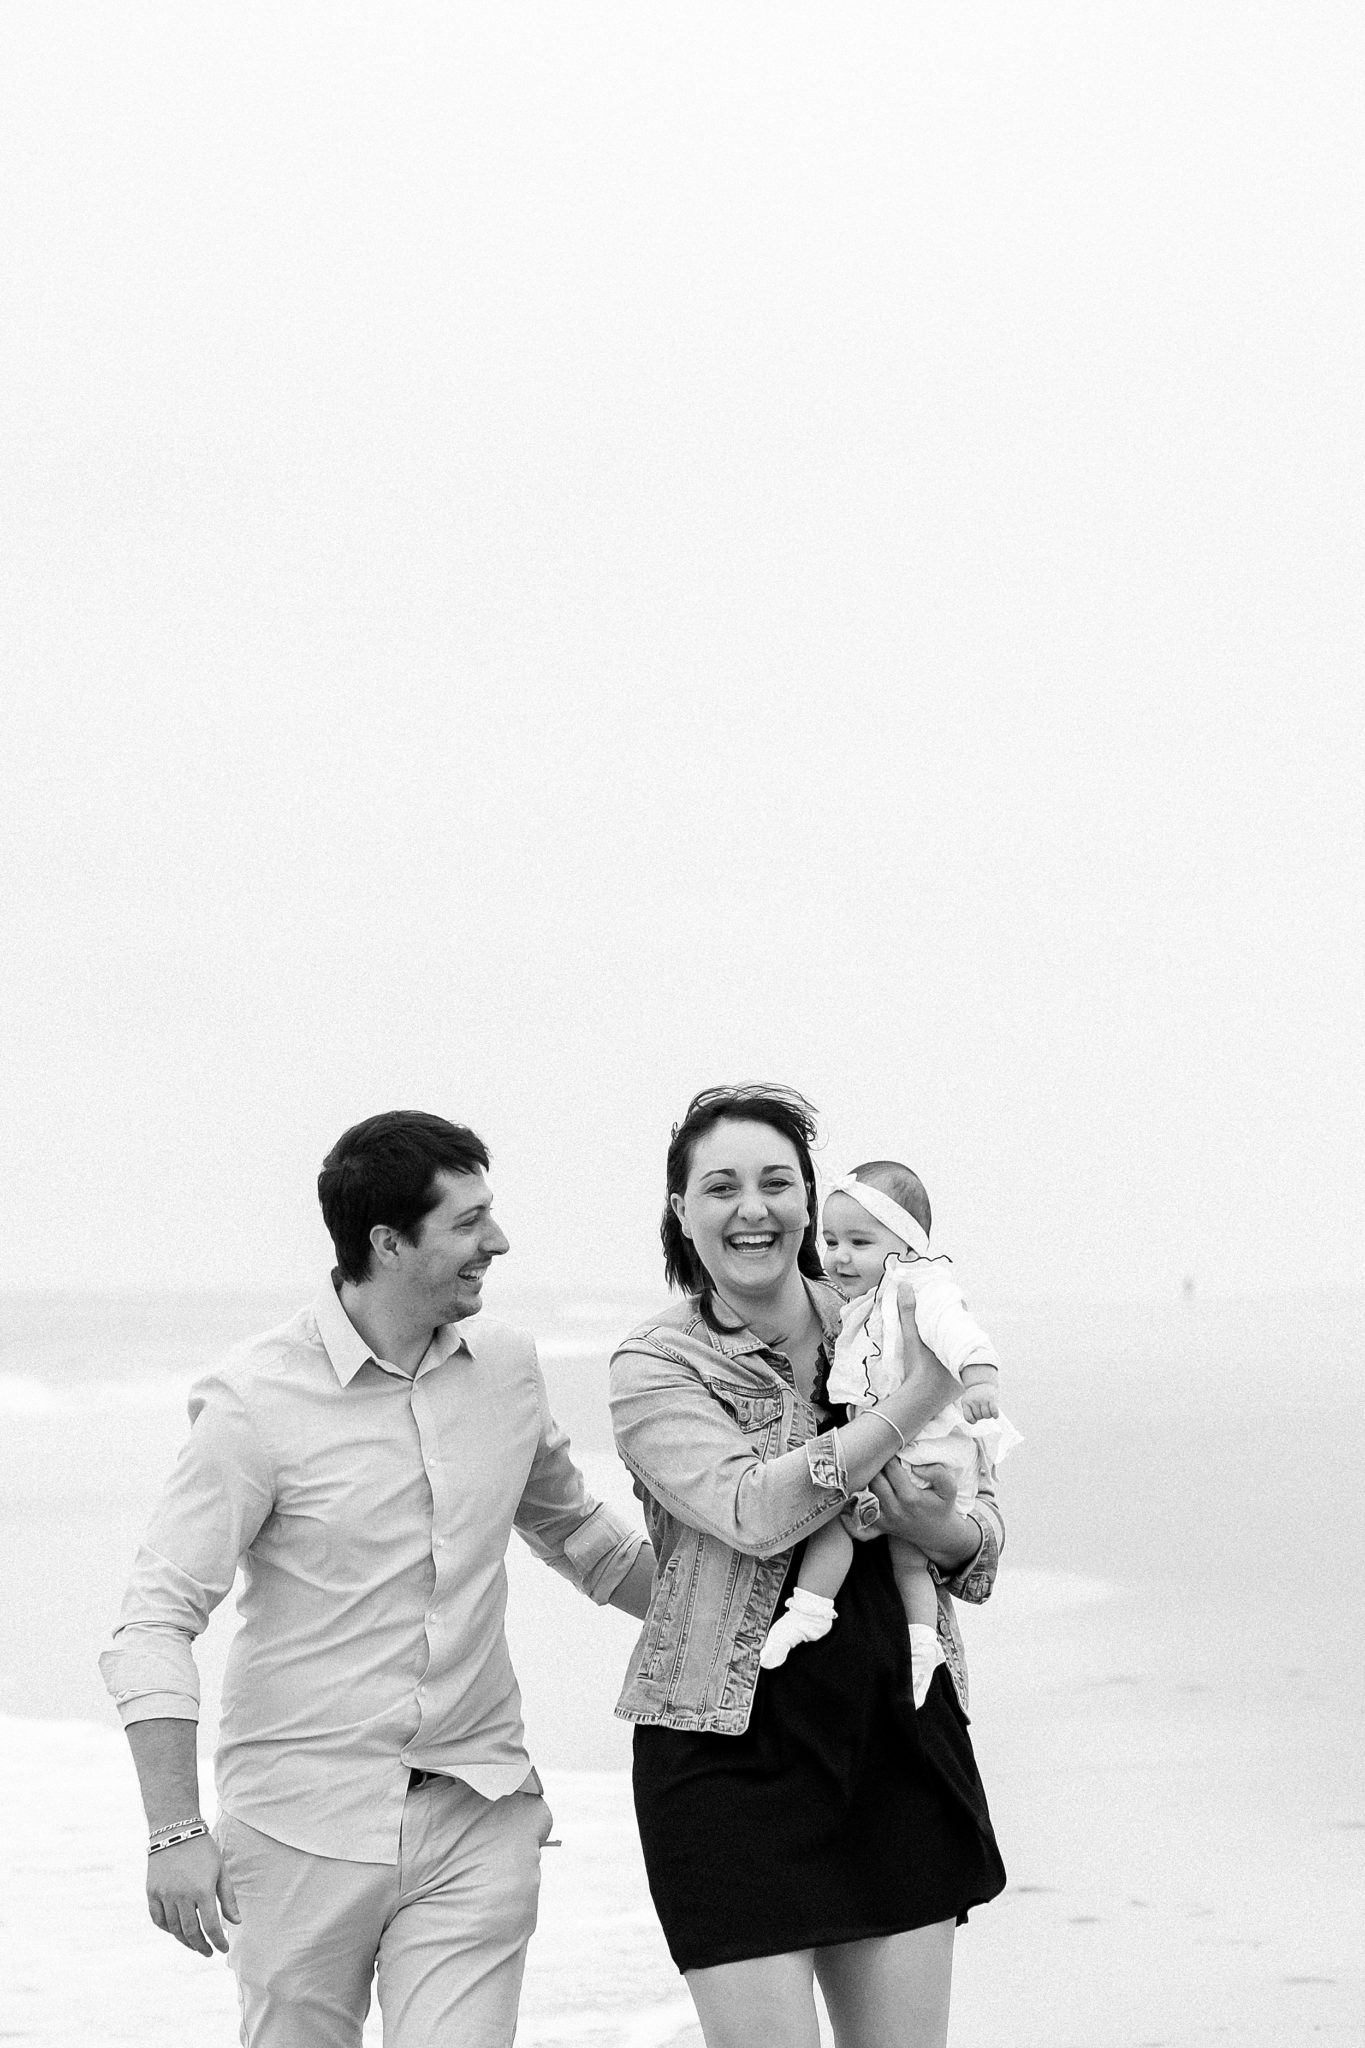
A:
{"points": [[682, 979]]}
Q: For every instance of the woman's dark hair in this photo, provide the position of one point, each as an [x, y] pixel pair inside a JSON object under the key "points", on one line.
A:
{"points": [[384, 1171], [750, 1102]]}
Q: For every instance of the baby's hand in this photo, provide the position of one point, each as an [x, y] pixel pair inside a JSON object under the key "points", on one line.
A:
{"points": [[979, 1403]]}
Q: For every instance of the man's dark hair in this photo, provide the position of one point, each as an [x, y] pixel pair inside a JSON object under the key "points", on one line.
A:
{"points": [[384, 1171], [750, 1102], [902, 1185]]}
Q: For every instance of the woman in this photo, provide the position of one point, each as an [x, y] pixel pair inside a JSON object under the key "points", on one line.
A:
{"points": [[804, 1822]]}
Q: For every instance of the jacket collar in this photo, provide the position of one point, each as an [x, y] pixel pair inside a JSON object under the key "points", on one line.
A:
{"points": [[824, 1298]]}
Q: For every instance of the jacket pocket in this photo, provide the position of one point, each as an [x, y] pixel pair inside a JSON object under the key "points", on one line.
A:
{"points": [[754, 1408], [659, 1623]]}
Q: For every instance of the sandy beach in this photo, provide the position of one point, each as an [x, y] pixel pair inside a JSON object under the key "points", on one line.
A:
{"points": [[1166, 1701]]}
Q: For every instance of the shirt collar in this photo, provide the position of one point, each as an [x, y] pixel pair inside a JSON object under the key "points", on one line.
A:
{"points": [[348, 1351]]}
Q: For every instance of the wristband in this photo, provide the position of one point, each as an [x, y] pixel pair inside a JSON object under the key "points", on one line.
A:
{"points": [[183, 1831]]}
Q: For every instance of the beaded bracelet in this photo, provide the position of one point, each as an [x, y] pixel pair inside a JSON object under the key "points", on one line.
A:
{"points": [[183, 1831]]}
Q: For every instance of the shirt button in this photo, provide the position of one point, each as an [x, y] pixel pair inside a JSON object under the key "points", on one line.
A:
{"points": [[431, 1621]]}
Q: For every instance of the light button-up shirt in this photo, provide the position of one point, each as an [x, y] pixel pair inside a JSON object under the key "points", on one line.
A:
{"points": [[371, 1514]]}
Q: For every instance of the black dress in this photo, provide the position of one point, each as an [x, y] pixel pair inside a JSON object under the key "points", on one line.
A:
{"points": [[840, 1813]]}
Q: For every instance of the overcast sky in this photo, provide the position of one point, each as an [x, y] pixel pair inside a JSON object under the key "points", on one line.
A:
{"points": [[555, 555]]}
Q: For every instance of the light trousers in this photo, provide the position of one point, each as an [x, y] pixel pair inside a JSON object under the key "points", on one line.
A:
{"points": [[445, 1930]]}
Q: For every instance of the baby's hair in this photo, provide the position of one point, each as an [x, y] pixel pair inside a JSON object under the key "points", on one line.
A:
{"points": [[903, 1186]]}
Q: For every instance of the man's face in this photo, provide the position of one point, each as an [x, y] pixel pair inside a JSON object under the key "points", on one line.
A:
{"points": [[458, 1239]]}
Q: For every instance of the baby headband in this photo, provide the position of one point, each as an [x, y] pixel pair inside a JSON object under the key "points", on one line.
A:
{"points": [[897, 1220]]}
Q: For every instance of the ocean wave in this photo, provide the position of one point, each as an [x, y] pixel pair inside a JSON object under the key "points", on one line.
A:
{"points": [[27, 1396], [24, 1397]]}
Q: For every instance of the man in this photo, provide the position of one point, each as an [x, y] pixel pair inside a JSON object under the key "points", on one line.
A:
{"points": [[365, 1464]]}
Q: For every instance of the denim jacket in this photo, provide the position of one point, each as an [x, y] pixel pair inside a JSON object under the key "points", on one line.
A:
{"points": [[733, 1469]]}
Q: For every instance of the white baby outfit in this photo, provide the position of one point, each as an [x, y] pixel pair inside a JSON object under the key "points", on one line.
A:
{"points": [[869, 1364]]}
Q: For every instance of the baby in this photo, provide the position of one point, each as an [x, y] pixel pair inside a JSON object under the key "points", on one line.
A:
{"points": [[876, 1227]]}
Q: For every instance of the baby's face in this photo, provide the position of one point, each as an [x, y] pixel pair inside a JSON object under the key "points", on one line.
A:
{"points": [[856, 1245]]}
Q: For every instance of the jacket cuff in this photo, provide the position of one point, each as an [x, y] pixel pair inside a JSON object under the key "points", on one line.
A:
{"points": [[973, 1580], [825, 1457]]}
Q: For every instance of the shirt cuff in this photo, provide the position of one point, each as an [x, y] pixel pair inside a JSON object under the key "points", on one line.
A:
{"points": [[601, 1551], [157, 1706]]}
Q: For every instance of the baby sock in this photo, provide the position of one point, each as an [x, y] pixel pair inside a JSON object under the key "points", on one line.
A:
{"points": [[926, 1654], [808, 1617]]}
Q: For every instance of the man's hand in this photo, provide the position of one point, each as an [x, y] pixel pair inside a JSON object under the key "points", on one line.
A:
{"points": [[185, 1887], [925, 1515]]}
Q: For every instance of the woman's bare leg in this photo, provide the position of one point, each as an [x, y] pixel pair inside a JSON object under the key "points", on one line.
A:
{"points": [[891, 1992], [766, 2003]]}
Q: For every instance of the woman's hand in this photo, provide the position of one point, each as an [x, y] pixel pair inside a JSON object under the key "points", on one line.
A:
{"points": [[926, 1515]]}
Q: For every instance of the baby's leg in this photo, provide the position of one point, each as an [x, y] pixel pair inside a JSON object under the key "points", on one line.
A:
{"points": [[828, 1555], [810, 1609], [919, 1598]]}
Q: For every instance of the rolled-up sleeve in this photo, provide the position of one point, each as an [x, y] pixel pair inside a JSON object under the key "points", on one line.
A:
{"points": [[215, 1501], [694, 1458], [559, 1520], [975, 1580]]}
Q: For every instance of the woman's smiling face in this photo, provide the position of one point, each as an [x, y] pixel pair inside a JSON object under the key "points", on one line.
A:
{"points": [[744, 1207]]}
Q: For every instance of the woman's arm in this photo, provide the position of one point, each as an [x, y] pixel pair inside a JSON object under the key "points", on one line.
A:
{"points": [[930, 1520], [691, 1453], [963, 1548]]}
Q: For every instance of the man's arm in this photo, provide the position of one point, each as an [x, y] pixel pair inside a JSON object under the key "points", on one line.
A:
{"points": [[186, 1884], [577, 1536], [632, 1594], [215, 1501]]}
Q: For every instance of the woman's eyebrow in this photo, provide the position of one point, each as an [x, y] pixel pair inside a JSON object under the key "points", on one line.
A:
{"points": [[732, 1172]]}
